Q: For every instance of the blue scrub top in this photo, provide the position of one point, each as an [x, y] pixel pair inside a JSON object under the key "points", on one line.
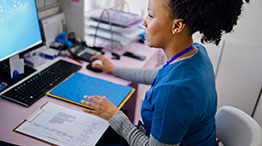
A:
{"points": [[180, 106]]}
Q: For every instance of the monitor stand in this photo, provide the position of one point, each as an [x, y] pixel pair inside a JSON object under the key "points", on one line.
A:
{"points": [[6, 78]]}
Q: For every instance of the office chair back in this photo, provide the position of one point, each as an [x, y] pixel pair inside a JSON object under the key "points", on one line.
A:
{"points": [[236, 128]]}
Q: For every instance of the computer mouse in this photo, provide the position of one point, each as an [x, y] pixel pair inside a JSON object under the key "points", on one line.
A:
{"points": [[90, 67]]}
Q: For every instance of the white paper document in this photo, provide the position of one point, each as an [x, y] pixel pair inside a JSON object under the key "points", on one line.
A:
{"points": [[63, 126]]}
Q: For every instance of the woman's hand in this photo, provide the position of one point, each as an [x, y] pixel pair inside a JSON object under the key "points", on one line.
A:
{"points": [[102, 107], [106, 66]]}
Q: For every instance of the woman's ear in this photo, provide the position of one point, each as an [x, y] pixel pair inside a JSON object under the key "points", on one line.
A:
{"points": [[178, 26]]}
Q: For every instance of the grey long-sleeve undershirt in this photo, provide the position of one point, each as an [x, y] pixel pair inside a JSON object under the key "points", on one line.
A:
{"points": [[120, 122], [122, 125], [143, 76]]}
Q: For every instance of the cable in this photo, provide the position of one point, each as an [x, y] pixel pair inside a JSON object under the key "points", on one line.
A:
{"points": [[116, 56], [257, 101], [110, 27]]}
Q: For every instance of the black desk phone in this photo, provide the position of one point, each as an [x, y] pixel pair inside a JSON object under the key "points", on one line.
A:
{"points": [[83, 52]]}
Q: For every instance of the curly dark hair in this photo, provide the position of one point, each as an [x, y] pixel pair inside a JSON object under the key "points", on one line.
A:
{"points": [[210, 17]]}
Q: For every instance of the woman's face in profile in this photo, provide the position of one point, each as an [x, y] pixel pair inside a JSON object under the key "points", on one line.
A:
{"points": [[158, 24]]}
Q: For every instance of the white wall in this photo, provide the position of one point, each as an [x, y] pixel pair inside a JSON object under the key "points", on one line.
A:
{"points": [[138, 7], [239, 75], [74, 14], [134, 6]]}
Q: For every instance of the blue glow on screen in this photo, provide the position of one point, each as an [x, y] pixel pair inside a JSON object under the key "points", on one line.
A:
{"points": [[19, 26]]}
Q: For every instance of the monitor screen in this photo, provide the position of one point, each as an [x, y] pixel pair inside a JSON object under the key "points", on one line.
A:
{"points": [[19, 27]]}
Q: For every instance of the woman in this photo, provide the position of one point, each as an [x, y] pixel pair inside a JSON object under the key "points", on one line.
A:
{"points": [[180, 106]]}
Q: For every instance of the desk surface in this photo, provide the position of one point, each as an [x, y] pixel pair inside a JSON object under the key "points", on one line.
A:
{"points": [[12, 114]]}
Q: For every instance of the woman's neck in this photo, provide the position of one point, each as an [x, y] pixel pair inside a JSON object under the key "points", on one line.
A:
{"points": [[174, 48]]}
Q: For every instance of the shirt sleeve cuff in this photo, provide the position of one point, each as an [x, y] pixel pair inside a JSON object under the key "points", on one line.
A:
{"points": [[121, 124]]}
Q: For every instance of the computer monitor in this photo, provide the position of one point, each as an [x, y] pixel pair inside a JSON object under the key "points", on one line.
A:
{"points": [[19, 33], [19, 27]]}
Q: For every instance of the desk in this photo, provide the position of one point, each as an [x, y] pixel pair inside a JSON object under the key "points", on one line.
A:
{"points": [[12, 114]]}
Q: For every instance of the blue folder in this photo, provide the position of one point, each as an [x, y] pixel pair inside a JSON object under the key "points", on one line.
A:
{"points": [[78, 85]]}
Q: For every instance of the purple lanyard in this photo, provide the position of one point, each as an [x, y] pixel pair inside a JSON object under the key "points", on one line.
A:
{"points": [[178, 55]]}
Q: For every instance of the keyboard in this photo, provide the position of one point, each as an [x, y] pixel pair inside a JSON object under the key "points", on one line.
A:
{"points": [[30, 90]]}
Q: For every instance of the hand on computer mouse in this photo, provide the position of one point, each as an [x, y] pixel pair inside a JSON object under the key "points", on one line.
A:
{"points": [[106, 65], [90, 67]]}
